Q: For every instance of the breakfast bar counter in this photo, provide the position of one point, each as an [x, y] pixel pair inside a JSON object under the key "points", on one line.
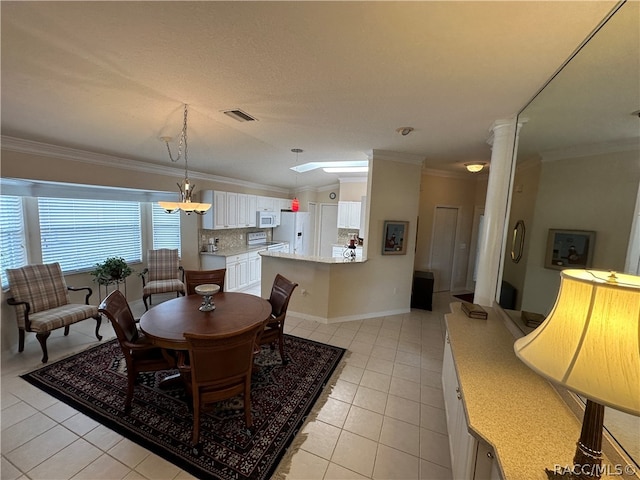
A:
{"points": [[313, 259]]}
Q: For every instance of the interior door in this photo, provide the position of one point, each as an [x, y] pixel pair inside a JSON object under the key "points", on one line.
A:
{"points": [[443, 247], [328, 231]]}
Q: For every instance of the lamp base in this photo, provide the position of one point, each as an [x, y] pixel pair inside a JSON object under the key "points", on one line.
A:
{"points": [[587, 462], [576, 474]]}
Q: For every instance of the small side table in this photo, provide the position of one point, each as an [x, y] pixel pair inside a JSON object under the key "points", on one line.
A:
{"points": [[422, 291], [114, 284]]}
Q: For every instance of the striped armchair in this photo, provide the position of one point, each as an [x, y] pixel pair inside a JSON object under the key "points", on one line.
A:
{"points": [[41, 299], [164, 272]]}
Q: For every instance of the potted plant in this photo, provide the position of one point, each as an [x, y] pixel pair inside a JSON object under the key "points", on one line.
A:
{"points": [[112, 270]]}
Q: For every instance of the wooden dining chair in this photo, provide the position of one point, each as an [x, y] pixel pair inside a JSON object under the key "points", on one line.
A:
{"points": [[193, 278], [218, 367], [164, 272], [139, 353], [281, 292]]}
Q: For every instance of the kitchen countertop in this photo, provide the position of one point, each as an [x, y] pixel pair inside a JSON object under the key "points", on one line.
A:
{"points": [[309, 258], [228, 252]]}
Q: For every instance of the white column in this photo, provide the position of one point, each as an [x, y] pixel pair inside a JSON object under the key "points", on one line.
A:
{"points": [[496, 211]]}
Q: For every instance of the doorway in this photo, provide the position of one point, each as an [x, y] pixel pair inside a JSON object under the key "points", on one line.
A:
{"points": [[445, 226]]}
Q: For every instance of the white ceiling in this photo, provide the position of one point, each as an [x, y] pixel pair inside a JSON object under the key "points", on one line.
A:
{"points": [[333, 78]]}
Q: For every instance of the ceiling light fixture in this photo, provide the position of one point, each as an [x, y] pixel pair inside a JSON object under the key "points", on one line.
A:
{"points": [[475, 167], [404, 131], [186, 188], [295, 203]]}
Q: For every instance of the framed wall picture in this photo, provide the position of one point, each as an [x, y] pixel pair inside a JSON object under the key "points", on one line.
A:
{"points": [[394, 237], [569, 249]]}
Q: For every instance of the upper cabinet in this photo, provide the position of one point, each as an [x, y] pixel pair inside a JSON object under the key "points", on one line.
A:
{"points": [[236, 210], [349, 215]]}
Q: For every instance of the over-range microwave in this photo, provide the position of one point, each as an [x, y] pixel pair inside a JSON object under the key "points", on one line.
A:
{"points": [[265, 219]]}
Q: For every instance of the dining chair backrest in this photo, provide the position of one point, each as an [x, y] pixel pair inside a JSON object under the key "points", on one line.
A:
{"points": [[281, 292], [221, 359], [193, 278], [116, 308], [163, 264]]}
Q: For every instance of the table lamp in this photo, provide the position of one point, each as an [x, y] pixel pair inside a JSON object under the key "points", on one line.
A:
{"points": [[590, 344]]}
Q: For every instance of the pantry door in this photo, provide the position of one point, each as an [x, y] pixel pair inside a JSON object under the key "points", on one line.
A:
{"points": [[443, 247]]}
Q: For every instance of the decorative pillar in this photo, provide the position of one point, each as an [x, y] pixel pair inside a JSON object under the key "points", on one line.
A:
{"points": [[504, 142]]}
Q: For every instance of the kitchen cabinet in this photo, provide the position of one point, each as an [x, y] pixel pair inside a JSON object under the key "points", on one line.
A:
{"points": [[252, 208], [266, 204], [254, 262], [216, 217], [237, 276], [349, 215], [470, 459], [230, 210]]}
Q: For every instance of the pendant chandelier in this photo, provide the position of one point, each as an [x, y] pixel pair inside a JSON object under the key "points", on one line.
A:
{"points": [[184, 202], [295, 203]]}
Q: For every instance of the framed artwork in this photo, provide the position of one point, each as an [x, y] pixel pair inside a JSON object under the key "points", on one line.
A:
{"points": [[569, 249], [394, 237]]}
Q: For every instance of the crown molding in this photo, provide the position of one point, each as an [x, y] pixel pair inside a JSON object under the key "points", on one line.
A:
{"points": [[459, 175], [396, 157], [31, 147]]}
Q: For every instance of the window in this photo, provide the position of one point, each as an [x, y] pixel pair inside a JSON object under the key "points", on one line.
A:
{"points": [[166, 228], [80, 233], [12, 237]]}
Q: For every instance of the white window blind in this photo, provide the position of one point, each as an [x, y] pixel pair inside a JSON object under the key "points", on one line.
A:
{"points": [[12, 238], [166, 228], [80, 233]]}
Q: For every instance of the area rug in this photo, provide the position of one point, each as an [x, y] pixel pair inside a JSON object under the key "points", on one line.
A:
{"points": [[95, 383]]}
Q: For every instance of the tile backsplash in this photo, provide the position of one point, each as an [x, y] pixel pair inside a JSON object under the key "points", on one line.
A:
{"points": [[346, 234], [228, 238]]}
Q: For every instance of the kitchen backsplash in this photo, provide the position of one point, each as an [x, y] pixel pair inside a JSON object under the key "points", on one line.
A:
{"points": [[346, 234], [228, 238]]}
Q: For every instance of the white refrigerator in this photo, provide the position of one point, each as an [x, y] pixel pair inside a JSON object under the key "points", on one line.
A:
{"points": [[294, 228]]}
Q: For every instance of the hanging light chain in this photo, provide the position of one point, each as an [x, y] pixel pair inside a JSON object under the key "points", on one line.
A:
{"points": [[181, 142]]}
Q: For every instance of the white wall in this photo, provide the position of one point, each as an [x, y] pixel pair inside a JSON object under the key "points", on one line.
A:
{"points": [[588, 193]]}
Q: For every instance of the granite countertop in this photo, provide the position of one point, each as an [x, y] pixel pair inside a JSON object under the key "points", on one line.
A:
{"points": [[507, 404], [309, 258], [229, 252]]}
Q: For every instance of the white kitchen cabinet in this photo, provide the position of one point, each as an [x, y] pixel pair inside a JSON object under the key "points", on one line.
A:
{"points": [[237, 276], [216, 217], [349, 214], [266, 204], [246, 208], [471, 459], [230, 210], [252, 208], [254, 262]]}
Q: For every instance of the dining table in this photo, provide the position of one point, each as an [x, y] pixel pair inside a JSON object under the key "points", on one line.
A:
{"points": [[166, 323]]}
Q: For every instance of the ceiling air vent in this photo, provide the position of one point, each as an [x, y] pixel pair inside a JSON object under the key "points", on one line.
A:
{"points": [[239, 115]]}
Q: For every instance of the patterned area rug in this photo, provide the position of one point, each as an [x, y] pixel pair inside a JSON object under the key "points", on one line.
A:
{"points": [[95, 383]]}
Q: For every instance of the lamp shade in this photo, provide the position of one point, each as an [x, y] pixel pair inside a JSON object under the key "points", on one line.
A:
{"points": [[590, 342], [295, 204]]}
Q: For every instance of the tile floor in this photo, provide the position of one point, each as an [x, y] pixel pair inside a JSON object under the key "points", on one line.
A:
{"points": [[384, 418]]}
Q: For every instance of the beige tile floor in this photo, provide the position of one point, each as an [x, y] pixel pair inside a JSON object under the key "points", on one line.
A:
{"points": [[384, 419]]}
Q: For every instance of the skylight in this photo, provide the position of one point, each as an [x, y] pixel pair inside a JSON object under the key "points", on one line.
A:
{"points": [[355, 166]]}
